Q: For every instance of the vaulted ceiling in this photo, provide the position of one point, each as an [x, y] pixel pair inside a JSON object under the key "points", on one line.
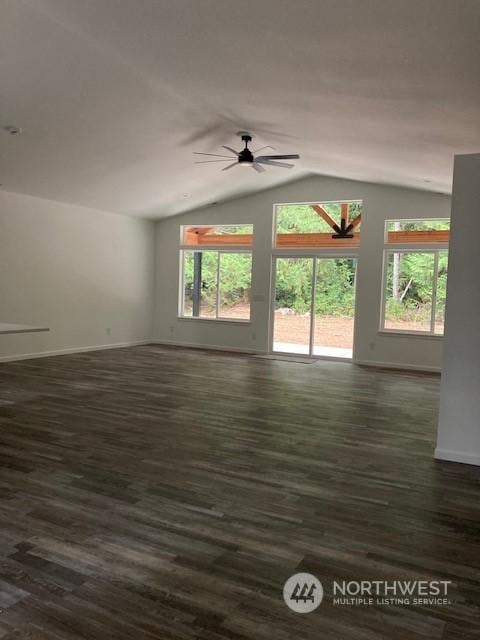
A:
{"points": [[113, 96]]}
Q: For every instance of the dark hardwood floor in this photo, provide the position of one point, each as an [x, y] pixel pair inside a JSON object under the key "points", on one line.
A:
{"points": [[168, 493]]}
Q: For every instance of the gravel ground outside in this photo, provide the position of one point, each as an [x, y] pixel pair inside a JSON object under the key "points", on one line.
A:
{"points": [[330, 331]]}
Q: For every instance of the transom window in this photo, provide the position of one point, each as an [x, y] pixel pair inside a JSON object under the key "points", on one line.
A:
{"points": [[417, 231], [415, 276], [217, 235], [331, 225]]}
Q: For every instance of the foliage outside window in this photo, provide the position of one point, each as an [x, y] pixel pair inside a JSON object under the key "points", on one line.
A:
{"points": [[442, 224], [335, 291], [415, 279], [316, 225], [216, 284], [301, 218], [415, 291]]}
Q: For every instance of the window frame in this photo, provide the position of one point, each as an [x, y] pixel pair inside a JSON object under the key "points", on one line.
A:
{"points": [[215, 246], [391, 249], [411, 247], [181, 288], [340, 245], [412, 243]]}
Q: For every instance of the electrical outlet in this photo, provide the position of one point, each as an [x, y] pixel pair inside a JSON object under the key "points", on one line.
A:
{"points": [[372, 346], [172, 328], [108, 331], [254, 335]]}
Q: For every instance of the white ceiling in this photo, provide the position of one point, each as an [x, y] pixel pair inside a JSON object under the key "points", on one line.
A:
{"points": [[115, 95]]}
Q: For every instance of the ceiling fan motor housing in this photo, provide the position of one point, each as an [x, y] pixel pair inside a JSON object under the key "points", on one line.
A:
{"points": [[245, 156]]}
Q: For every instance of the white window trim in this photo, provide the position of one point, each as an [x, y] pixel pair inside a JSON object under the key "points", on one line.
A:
{"points": [[181, 286], [222, 320], [232, 248], [411, 248]]}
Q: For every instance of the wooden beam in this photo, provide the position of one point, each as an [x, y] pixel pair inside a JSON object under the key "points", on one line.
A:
{"points": [[307, 240], [325, 215], [356, 221], [191, 234], [190, 238], [287, 240], [345, 215], [200, 231], [425, 236], [284, 240], [239, 239]]}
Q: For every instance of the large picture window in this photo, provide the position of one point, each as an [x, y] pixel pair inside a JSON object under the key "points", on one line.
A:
{"points": [[415, 278], [216, 284]]}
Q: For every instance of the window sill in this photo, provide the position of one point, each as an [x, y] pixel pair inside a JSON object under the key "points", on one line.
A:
{"points": [[409, 334], [222, 320]]}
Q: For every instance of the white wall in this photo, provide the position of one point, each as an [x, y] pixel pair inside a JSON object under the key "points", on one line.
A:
{"points": [[380, 203], [75, 270], [459, 423]]}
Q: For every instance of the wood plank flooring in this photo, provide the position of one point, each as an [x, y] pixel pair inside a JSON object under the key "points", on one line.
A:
{"points": [[155, 492]]}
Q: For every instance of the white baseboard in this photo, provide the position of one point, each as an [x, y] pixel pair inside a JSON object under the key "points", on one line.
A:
{"points": [[211, 347], [457, 456], [65, 352], [366, 363], [196, 345], [396, 365]]}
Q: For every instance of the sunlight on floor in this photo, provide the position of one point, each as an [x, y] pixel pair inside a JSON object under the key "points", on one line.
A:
{"points": [[332, 352]]}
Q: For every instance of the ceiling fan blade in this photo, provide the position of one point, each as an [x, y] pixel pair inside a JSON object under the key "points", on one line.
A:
{"points": [[216, 155], [230, 165], [291, 156], [261, 149], [208, 161], [230, 149], [274, 163], [258, 167]]}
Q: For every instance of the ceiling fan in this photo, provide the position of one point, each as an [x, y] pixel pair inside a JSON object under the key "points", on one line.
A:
{"points": [[247, 158]]}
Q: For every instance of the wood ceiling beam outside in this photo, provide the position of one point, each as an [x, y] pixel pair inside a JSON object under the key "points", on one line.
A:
{"points": [[201, 231], [312, 240], [284, 240], [356, 221], [325, 215], [423, 236], [240, 239], [321, 239], [293, 240], [192, 235]]}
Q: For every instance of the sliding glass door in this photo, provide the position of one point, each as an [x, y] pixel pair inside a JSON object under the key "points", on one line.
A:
{"points": [[314, 305], [293, 305]]}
